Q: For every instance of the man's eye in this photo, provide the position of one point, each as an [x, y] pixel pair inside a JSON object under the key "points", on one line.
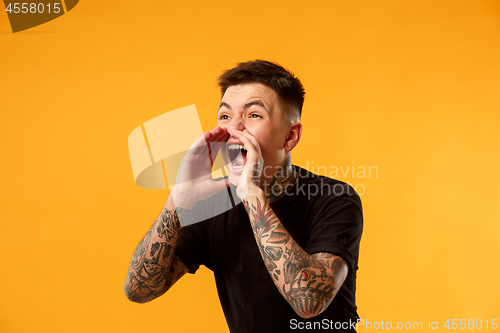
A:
{"points": [[224, 117]]}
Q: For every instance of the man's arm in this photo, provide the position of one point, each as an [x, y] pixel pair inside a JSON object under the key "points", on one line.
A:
{"points": [[308, 282], [154, 267]]}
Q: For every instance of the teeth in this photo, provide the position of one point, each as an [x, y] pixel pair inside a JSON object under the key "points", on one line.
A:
{"points": [[234, 162], [235, 146]]}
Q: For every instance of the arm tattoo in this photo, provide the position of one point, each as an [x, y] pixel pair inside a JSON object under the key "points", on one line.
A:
{"points": [[308, 282], [154, 262], [312, 280]]}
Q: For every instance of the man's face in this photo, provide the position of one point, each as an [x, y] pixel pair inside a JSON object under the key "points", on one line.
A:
{"points": [[256, 108]]}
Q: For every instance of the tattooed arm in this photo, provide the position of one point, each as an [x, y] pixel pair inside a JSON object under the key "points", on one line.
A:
{"points": [[308, 282], [154, 267]]}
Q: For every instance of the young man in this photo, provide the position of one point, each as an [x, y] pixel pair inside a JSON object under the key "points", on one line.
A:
{"points": [[285, 257]]}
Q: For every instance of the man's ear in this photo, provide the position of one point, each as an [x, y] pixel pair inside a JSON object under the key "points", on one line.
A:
{"points": [[294, 134]]}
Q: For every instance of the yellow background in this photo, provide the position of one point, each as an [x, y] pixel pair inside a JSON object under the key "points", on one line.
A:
{"points": [[411, 87]]}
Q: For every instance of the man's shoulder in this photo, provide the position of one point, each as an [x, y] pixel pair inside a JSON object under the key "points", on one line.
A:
{"points": [[326, 188]]}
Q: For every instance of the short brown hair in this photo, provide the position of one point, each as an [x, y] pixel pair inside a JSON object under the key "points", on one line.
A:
{"points": [[287, 86]]}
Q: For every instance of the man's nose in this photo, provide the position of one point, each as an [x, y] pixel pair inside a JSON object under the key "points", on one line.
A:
{"points": [[237, 124]]}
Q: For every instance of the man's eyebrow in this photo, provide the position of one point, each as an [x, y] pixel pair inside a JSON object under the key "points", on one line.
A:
{"points": [[224, 104], [256, 102]]}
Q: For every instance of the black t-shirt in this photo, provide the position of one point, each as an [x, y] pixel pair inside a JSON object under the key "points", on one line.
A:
{"points": [[321, 214]]}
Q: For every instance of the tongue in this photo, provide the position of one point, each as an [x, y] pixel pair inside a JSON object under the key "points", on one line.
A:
{"points": [[240, 160]]}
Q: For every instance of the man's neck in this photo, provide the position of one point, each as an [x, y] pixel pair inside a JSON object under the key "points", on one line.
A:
{"points": [[283, 178]]}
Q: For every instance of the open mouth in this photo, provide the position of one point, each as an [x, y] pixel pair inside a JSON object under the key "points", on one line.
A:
{"points": [[237, 155]]}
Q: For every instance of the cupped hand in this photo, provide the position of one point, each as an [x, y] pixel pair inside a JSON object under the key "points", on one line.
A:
{"points": [[250, 179], [194, 179]]}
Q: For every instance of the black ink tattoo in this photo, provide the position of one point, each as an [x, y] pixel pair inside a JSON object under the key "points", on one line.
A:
{"points": [[312, 287], [263, 219], [257, 172], [284, 178], [153, 264], [274, 252]]}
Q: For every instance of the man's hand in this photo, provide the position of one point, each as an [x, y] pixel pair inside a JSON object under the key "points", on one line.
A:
{"points": [[249, 183], [194, 179]]}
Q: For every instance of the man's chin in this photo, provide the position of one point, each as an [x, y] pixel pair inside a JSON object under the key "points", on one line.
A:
{"points": [[234, 172], [234, 179]]}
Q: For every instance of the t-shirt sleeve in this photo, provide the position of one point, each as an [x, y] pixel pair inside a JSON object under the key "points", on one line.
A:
{"points": [[337, 229], [193, 246]]}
